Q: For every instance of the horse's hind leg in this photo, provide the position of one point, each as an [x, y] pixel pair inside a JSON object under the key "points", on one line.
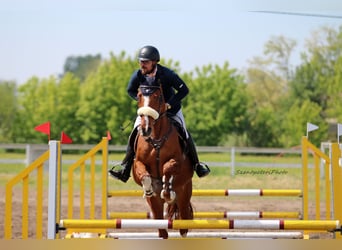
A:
{"points": [[156, 204], [189, 211], [184, 206], [157, 207]]}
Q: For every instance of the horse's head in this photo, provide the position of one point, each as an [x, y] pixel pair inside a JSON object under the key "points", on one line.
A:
{"points": [[151, 106]]}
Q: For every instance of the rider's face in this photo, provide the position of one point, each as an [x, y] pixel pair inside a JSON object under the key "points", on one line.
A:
{"points": [[146, 67]]}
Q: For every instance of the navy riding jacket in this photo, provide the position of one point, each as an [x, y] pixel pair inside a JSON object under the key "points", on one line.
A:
{"points": [[174, 88]]}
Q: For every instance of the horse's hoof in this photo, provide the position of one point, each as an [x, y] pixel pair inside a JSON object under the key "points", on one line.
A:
{"points": [[163, 234], [183, 232]]}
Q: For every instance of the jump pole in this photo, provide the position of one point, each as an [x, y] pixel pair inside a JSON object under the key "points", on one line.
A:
{"points": [[220, 192], [213, 215], [205, 235], [320, 225]]}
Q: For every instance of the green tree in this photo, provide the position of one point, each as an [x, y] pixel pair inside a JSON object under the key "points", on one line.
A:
{"points": [[317, 79], [334, 89], [279, 50], [42, 100], [37, 100], [104, 103], [82, 66], [295, 122], [262, 128], [269, 106], [8, 109], [267, 86], [67, 105], [216, 104]]}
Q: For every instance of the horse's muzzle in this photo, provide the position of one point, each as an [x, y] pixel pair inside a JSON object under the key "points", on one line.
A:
{"points": [[145, 132]]}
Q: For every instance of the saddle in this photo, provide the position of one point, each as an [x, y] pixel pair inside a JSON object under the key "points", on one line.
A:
{"points": [[181, 134]]}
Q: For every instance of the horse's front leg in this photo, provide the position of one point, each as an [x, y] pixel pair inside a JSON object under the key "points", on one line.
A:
{"points": [[157, 207], [170, 169], [167, 192], [143, 178]]}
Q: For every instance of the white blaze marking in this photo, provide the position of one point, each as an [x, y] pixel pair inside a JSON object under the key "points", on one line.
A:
{"points": [[146, 103]]}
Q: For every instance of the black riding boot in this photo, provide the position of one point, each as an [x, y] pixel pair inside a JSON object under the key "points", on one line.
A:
{"points": [[201, 168], [123, 174]]}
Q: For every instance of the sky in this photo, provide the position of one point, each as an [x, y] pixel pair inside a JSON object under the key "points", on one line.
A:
{"points": [[37, 36]]}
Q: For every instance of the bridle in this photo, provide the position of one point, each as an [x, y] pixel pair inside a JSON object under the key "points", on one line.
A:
{"points": [[156, 115], [147, 90]]}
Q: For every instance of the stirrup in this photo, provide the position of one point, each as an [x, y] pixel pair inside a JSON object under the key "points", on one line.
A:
{"points": [[202, 169]]}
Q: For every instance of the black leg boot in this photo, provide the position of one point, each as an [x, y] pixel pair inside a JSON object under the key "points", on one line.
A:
{"points": [[124, 172], [201, 168]]}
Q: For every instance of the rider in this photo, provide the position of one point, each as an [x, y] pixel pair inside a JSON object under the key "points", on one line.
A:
{"points": [[152, 73]]}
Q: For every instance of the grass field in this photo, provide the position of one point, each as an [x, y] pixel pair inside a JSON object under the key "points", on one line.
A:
{"points": [[219, 178]]}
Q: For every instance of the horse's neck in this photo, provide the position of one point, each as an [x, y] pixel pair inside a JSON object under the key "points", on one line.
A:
{"points": [[161, 127]]}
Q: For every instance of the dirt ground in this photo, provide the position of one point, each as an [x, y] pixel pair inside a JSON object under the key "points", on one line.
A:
{"points": [[138, 204]]}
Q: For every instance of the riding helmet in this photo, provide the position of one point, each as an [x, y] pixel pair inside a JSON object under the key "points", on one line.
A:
{"points": [[149, 53]]}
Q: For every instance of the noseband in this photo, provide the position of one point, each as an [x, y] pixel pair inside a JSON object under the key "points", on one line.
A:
{"points": [[147, 90]]}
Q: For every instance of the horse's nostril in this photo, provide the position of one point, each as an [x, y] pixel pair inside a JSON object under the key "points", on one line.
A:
{"points": [[146, 131]]}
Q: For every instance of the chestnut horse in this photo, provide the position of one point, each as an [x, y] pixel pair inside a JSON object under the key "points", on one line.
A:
{"points": [[161, 166]]}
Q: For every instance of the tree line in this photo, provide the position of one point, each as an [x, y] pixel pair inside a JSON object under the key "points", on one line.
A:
{"points": [[265, 105]]}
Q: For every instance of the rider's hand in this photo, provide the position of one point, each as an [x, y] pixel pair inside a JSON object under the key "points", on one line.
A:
{"points": [[168, 106]]}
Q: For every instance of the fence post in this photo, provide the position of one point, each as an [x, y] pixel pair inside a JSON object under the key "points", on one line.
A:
{"points": [[337, 184], [232, 161], [54, 186], [28, 154]]}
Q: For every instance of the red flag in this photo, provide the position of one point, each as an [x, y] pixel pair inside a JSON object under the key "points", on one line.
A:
{"points": [[109, 137], [65, 139], [44, 128]]}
